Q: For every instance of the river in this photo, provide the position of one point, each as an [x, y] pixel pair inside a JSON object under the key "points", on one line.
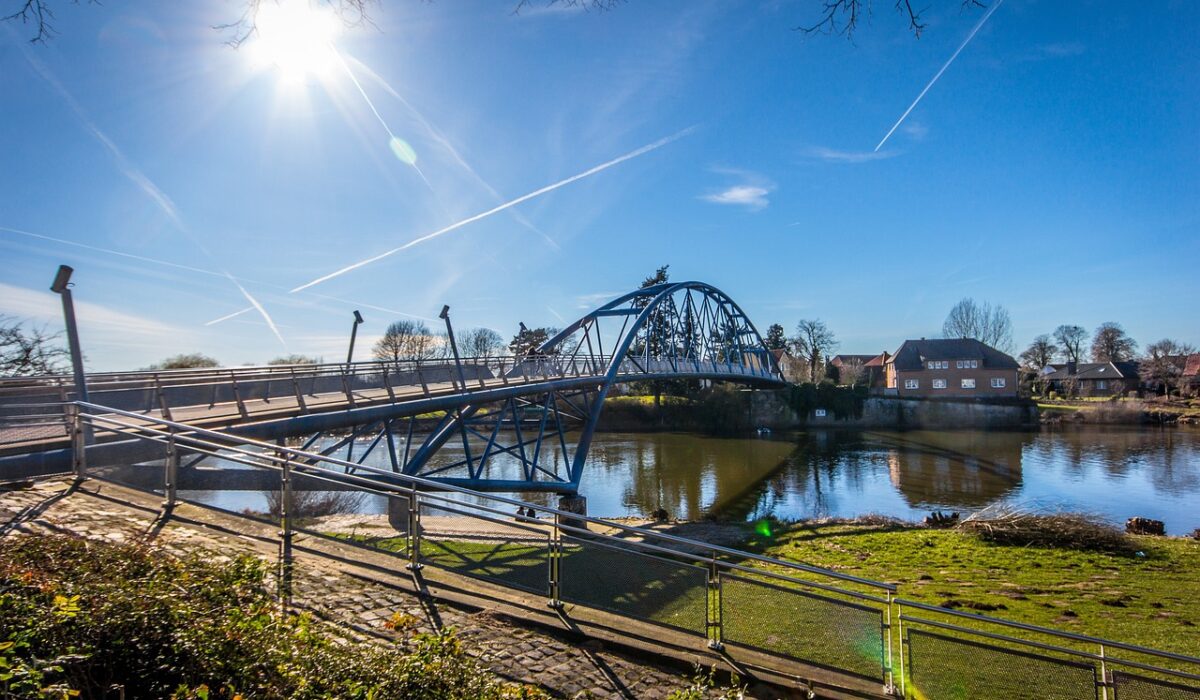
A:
{"points": [[1113, 471]]}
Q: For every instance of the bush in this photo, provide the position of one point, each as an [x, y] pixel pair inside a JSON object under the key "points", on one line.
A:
{"points": [[80, 617], [1062, 530]]}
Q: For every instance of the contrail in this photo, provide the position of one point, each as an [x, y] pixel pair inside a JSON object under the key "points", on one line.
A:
{"points": [[202, 271], [444, 142], [511, 203], [261, 310], [957, 51], [391, 136], [134, 174]]}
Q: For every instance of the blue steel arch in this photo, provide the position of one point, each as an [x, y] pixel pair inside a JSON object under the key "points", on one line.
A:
{"points": [[657, 296], [667, 331]]}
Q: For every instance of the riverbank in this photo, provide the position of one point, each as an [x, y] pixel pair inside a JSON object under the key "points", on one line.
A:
{"points": [[1120, 411], [1149, 598], [722, 411]]}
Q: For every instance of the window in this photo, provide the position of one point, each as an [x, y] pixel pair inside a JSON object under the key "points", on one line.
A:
{"points": [[939, 364], [997, 382], [959, 364], [939, 384], [1101, 384], [967, 364], [911, 384], [968, 383]]}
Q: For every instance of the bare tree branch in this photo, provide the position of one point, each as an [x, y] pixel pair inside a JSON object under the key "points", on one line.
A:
{"points": [[841, 17]]}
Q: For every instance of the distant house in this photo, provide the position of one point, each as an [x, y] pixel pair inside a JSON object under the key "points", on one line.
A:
{"points": [[1189, 381], [1091, 378], [954, 367], [793, 369], [870, 368], [856, 362]]}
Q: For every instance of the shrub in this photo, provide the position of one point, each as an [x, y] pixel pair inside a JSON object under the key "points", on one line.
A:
{"points": [[84, 616], [1009, 526]]}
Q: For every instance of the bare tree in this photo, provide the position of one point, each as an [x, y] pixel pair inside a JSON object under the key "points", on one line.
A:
{"points": [[852, 372], [813, 342], [1070, 341], [29, 352], [1040, 353], [1112, 344], [406, 340], [480, 342], [842, 16], [988, 324], [1163, 364]]}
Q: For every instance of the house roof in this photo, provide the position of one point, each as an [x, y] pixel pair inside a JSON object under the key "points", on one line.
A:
{"points": [[878, 360], [839, 360], [1192, 367], [912, 354], [780, 354], [1095, 370]]}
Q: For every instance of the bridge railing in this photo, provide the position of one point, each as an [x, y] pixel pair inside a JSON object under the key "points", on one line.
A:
{"points": [[31, 408], [769, 613]]}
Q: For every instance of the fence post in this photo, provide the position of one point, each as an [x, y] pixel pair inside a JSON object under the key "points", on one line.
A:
{"points": [[285, 532], [414, 530], [78, 442], [171, 472], [237, 396], [716, 611], [1104, 682], [555, 554], [900, 634], [890, 679]]}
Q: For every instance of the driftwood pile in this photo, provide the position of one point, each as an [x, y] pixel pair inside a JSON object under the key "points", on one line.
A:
{"points": [[1012, 526]]}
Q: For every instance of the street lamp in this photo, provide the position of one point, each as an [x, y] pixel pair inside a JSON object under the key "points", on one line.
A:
{"points": [[62, 287], [445, 316], [353, 333]]}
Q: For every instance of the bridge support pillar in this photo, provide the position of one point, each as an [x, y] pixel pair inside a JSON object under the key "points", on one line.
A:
{"points": [[573, 503]]}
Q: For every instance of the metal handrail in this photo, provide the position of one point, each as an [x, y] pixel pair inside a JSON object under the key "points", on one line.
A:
{"points": [[187, 431], [903, 603]]}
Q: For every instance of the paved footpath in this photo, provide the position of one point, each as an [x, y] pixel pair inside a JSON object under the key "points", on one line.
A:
{"points": [[359, 591]]}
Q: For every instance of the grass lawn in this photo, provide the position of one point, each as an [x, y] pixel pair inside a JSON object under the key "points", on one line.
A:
{"points": [[1152, 601]]}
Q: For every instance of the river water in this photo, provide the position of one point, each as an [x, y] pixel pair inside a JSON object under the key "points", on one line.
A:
{"points": [[1113, 471]]}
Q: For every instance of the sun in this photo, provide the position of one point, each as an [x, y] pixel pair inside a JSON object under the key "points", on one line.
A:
{"points": [[295, 37]]}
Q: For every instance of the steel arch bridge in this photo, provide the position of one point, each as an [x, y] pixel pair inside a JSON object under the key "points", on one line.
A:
{"points": [[540, 409], [670, 331]]}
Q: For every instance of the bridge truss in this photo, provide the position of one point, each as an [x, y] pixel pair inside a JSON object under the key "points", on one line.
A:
{"points": [[687, 330]]}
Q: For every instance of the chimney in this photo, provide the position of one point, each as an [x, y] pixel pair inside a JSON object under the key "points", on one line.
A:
{"points": [[1071, 367]]}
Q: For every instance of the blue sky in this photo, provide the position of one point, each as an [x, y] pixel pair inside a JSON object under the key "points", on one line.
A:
{"points": [[1054, 168]]}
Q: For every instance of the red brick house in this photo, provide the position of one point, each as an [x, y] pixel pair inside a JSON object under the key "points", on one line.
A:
{"points": [[951, 367]]}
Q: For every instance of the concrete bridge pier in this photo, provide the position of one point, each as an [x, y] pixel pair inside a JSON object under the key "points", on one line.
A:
{"points": [[573, 503]]}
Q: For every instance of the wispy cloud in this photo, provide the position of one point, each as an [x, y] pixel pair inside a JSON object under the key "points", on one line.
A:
{"points": [[511, 203], [99, 324], [963, 45], [751, 191], [591, 301], [749, 196], [833, 155]]}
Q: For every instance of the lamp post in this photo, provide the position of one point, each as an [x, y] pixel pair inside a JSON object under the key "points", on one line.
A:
{"points": [[353, 334], [445, 316], [62, 287]]}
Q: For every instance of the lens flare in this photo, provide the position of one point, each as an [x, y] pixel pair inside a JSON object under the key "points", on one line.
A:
{"points": [[403, 151], [763, 527]]}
